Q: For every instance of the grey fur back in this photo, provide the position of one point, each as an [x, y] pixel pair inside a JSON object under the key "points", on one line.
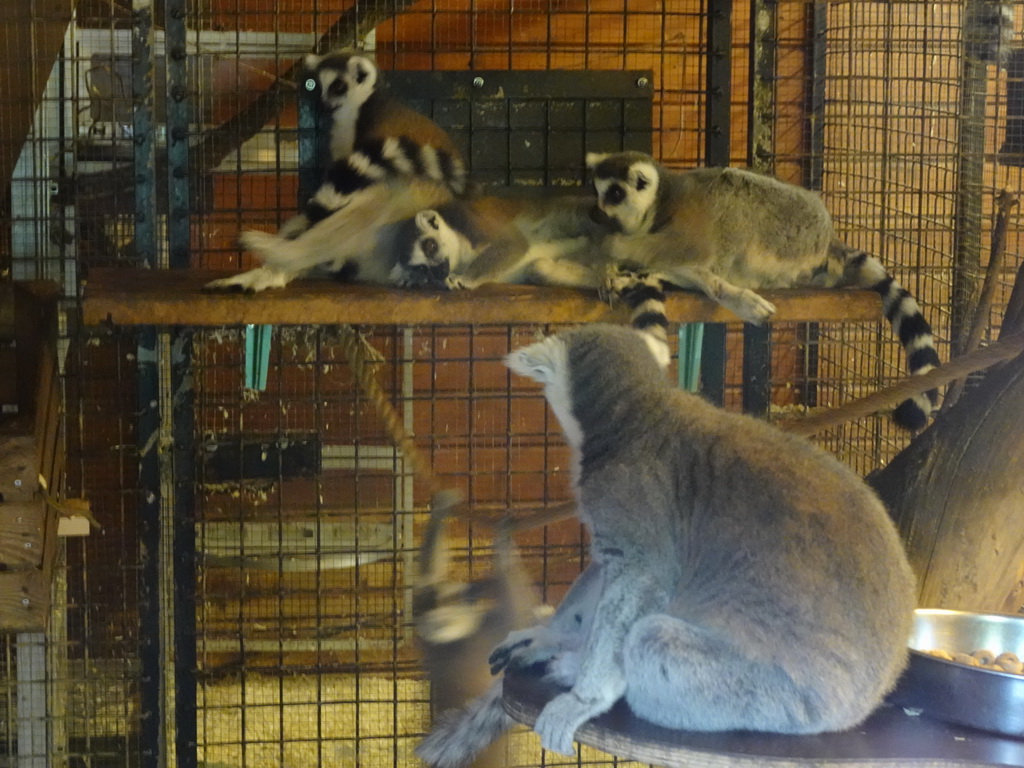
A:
{"points": [[753, 214], [759, 531]]}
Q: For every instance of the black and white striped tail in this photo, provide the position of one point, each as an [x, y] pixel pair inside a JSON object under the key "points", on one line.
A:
{"points": [[910, 326], [645, 297], [382, 159], [458, 736]]}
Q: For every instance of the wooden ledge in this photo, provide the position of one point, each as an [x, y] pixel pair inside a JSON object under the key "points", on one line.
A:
{"points": [[127, 297], [890, 738]]}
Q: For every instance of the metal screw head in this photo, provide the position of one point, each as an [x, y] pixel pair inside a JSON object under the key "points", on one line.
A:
{"points": [[25, 601], [642, 82], [28, 545], [310, 84], [478, 82], [17, 483]]}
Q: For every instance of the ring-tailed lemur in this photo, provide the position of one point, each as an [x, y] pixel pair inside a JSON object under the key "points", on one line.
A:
{"points": [[458, 625], [988, 30], [455, 244], [374, 136], [728, 232], [375, 139], [543, 240], [740, 578]]}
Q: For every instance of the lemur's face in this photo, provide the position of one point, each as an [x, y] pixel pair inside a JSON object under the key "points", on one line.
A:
{"points": [[343, 79], [432, 253], [627, 192]]}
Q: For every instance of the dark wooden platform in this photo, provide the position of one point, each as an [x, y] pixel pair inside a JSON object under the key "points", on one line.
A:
{"points": [[128, 297], [890, 738]]}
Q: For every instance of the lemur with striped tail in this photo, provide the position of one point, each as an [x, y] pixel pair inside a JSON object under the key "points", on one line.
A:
{"points": [[729, 232], [458, 624], [740, 578], [388, 162]]}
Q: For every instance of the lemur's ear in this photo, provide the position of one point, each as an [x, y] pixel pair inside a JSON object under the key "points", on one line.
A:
{"points": [[594, 159], [363, 70], [538, 361], [427, 220]]}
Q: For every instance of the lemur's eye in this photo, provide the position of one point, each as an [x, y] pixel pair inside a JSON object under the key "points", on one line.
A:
{"points": [[641, 183], [429, 247], [614, 195], [337, 88]]}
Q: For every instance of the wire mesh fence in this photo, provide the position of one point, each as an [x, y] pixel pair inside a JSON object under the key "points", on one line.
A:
{"points": [[306, 518]]}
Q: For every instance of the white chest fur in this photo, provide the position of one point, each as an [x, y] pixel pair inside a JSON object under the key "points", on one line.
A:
{"points": [[343, 132]]}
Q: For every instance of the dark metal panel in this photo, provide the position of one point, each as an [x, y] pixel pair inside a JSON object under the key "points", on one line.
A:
{"points": [[511, 84], [712, 365], [757, 374], [268, 458], [717, 149], [533, 128]]}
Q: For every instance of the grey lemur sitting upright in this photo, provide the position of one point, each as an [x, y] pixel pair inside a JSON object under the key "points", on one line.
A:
{"points": [[740, 578]]}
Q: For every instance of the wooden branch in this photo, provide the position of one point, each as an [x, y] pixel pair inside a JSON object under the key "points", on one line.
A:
{"points": [[351, 27], [955, 493], [1001, 351], [510, 521], [1013, 319], [1005, 203]]}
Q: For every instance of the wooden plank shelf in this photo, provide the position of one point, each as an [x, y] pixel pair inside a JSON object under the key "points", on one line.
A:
{"points": [[128, 297], [889, 738]]}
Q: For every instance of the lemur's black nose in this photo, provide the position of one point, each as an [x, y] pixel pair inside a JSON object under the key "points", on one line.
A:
{"points": [[614, 195], [440, 270]]}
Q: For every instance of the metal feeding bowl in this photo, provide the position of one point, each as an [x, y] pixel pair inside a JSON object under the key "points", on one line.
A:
{"points": [[974, 696]]}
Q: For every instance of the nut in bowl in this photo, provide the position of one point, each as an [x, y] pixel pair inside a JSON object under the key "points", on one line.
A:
{"points": [[979, 684]]}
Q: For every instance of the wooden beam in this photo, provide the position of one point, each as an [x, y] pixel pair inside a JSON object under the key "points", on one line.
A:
{"points": [[128, 297], [33, 33]]}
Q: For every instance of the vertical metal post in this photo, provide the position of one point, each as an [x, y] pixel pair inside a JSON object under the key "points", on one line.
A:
{"points": [[814, 175], [717, 152], [757, 349], [311, 148], [182, 430], [148, 394]]}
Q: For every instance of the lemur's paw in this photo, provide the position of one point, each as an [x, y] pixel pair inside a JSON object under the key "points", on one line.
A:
{"points": [[617, 281], [253, 281], [457, 283], [752, 308], [528, 650], [557, 723]]}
